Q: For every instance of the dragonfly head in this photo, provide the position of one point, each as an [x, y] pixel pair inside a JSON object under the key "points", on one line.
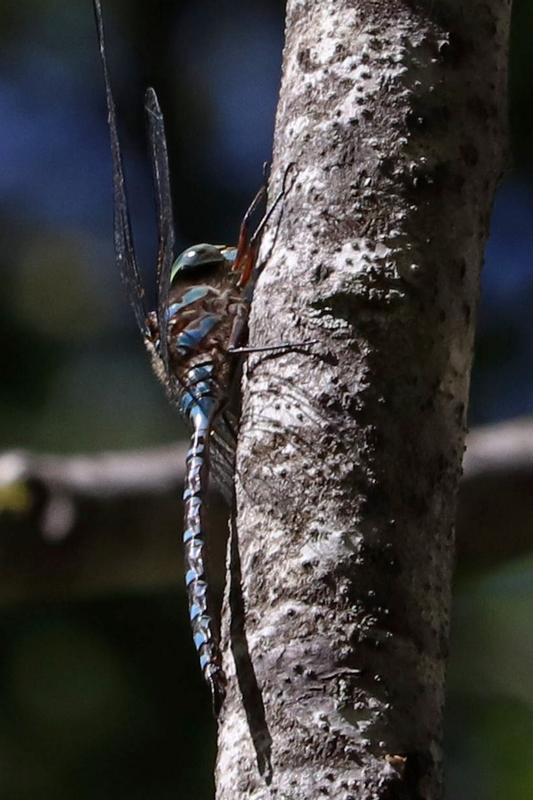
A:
{"points": [[200, 261]]}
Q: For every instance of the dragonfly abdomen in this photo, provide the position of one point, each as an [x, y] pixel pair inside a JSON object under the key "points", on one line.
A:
{"points": [[199, 403]]}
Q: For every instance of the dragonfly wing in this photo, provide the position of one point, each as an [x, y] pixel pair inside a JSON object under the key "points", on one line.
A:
{"points": [[165, 219], [123, 238], [222, 454]]}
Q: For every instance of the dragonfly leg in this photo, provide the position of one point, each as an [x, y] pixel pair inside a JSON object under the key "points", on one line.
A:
{"points": [[248, 247], [239, 329], [246, 251], [279, 197], [271, 348]]}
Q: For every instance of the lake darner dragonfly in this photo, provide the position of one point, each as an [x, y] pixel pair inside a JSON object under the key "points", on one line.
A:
{"points": [[194, 337]]}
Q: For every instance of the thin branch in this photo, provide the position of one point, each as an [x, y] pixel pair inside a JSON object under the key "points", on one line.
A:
{"points": [[99, 475], [131, 499], [502, 450]]}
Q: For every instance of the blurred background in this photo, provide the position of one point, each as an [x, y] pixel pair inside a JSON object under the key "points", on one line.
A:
{"points": [[100, 694]]}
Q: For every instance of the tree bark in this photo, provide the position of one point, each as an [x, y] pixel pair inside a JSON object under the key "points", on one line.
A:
{"points": [[336, 620]]}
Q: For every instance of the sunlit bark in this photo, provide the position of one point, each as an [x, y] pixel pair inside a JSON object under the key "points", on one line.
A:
{"points": [[336, 624]]}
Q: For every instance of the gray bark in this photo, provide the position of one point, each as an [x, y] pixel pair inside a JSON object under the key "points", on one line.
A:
{"points": [[336, 621]]}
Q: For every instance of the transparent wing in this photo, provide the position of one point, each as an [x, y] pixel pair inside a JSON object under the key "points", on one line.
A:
{"points": [[123, 239], [222, 454], [165, 219]]}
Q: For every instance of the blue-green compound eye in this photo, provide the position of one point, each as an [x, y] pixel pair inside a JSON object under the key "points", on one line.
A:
{"points": [[196, 257]]}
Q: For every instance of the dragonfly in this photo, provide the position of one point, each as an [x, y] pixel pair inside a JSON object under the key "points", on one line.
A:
{"points": [[195, 338]]}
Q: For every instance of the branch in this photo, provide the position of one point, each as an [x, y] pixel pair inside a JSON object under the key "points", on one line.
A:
{"points": [[97, 476], [65, 502], [94, 523], [500, 452], [393, 114], [495, 498]]}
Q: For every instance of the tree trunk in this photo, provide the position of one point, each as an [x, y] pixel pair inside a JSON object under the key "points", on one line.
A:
{"points": [[336, 622]]}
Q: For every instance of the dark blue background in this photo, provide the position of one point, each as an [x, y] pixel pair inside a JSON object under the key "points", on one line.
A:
{"points": [[103, 699]]}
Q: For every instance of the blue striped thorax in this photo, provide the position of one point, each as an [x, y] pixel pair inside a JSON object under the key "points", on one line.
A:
{"points": [[191, 296], [204, 301]]}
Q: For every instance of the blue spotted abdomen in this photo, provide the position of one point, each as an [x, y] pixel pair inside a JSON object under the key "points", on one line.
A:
{"points": [[200, 324]]}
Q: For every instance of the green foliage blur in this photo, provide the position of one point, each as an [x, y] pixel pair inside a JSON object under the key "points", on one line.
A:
{"points": [[102, 698]]}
